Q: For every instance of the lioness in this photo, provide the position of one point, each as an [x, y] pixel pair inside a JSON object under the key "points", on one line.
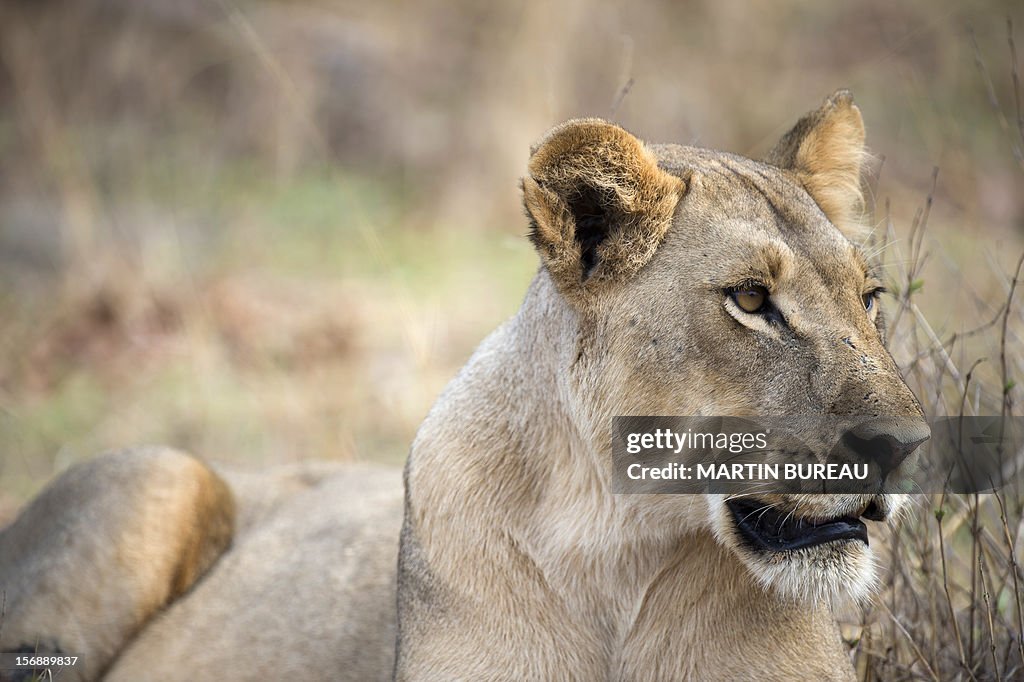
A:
{"points": [[674, 280]]}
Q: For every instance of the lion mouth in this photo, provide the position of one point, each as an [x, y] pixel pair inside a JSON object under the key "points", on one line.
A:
{"points": [[765, 529]]}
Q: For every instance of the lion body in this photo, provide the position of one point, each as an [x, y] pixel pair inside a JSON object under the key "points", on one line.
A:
{"points": [[311, 541], [308, 585]]}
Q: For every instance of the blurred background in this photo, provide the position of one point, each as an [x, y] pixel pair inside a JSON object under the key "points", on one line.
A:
{"points": [[271, 230]]}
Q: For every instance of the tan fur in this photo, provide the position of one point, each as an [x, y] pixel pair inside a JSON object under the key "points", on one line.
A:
{"points": [[307, 590], [517, 561], [642, 197], [106, 546], [307, 584], [826, 152]]}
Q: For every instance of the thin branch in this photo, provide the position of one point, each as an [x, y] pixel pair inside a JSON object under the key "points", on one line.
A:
{"points": [[623, 91]]}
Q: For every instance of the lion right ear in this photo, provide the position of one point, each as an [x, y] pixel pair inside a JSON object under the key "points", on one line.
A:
{"points": [[598, 203]]}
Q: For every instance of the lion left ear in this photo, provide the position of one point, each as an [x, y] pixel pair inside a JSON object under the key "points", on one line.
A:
{"points": [[825, 149], [598, 203]]}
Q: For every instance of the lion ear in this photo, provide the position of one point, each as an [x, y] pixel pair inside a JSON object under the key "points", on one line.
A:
{"points": [[598, 203], [825, 149]]}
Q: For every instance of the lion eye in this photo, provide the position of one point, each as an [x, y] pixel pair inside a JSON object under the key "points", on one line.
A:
{"points": [[870, 299], [750, 299]]}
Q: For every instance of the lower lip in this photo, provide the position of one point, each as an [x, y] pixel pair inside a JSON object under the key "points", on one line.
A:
{"points": [[761, 532]]}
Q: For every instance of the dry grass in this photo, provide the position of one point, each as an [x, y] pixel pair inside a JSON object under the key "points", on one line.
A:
{"points": [[263, 230], [953, 603]]}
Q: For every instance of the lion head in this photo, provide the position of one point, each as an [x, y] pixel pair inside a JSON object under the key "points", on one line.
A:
{"points": [[705, 283]]}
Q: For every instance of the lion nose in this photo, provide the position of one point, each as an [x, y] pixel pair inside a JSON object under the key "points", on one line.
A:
{"points": [[888, 448]]}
